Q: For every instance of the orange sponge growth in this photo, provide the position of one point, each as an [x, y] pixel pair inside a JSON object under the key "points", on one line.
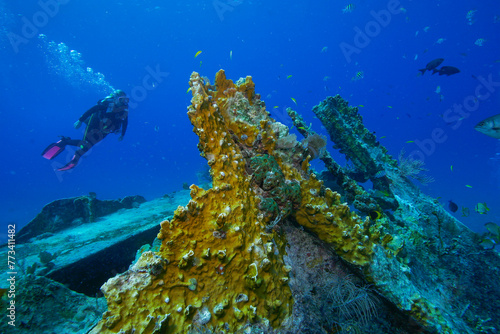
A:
{"points": [[218, 266], [221, 263]]}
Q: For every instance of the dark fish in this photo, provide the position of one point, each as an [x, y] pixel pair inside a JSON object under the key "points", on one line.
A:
{"points": [[432, 65], [447, 70], [452, 206], [374, 215]]}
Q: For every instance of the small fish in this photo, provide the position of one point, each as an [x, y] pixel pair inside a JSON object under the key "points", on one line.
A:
{"points": [[493, 228], [349, 8], [471, 13], [481, 208], [289, 76], [374, 215], [189, 89], [496, 19], [432, 65], [324, 49], [487, 243], [416, 33], [451, 168], [410, 141], [465, 211], [480, 41], [440, 41], [468, 186], [359, 75], [452, 206], [231, 55], [470, 16], [380, 174], [426, 29], [438, 90], [380, 193], [416, 57], [157, 128], [197, 54], [490, 126], [275, 107], [326, 78], [294, 101], [390, 107], [200, 63], [446, 70], [360, 105], [383, 137]]}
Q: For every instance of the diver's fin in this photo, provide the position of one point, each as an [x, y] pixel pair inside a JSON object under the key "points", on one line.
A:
{"points": [[70, 165], [54, 149]]}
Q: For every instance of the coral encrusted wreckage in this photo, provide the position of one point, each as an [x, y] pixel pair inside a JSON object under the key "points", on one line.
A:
{"points": [[269, 246]]}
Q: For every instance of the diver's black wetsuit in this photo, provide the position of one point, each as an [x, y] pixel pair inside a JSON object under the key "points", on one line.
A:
{"points": [[100, 122]]}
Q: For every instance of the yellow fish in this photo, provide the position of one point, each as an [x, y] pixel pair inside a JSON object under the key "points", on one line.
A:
{"points": [[349, 8], [468, 186], [482, 208], [360, 105], [480, 42], [275, 107], [487, 243], [493, 228], [374, 215], [465, 212], [231, 55], [197, 54], [451, 168], [189, 89], [294, 101], [410, 141], [383, 137], [359, 75], [288, 77]]}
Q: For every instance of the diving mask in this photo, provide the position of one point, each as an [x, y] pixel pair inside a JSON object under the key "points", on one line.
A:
{"points": [[122, 100]]}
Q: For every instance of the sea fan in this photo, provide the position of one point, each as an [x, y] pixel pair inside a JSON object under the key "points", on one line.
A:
{"points": [[315, 144]]}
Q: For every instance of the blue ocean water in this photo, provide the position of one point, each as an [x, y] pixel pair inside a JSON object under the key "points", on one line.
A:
{"points": [[369, 54]]}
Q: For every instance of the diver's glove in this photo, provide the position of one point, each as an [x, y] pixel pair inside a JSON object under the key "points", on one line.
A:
{"points": [[77, 124]]}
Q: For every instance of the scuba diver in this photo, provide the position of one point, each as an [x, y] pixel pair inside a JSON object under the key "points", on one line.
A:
{"points": [[109, 115]]}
